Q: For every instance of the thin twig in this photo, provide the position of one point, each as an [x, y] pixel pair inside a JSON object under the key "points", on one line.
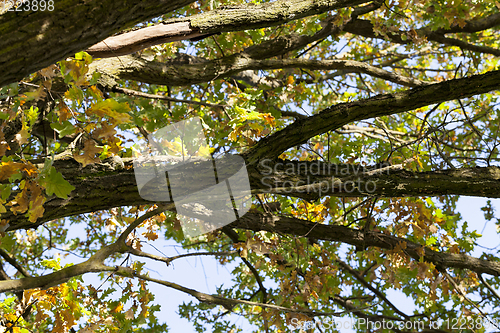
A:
{"points": [[131, 92], [13, 262]]}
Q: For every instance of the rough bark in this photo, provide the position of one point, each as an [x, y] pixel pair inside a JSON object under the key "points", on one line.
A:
{"points": [[363, 239], [188, 70], [32, 40], [236, 18], [134, 41], [224, 19], [382, 105], [104, 186]]}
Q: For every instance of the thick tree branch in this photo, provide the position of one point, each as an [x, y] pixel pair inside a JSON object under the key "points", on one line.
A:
{"points": [[103, 186], [382, 105], [244, 17], [363, 239], [296, 227], [136, 40], [474, 25], [178, 72], [32, 40], [464, 45], [366, 29], [349, 65], [61, 276], [225, 19]]}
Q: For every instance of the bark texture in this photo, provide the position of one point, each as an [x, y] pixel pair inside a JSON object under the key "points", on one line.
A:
{"points": [[224, 19], [133, 41], [104, 186], [382, 105], [362, 240], [32, 40]]}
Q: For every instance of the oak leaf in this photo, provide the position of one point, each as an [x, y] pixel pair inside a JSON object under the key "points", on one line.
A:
{"points": [[88, 157], [54, 183], [8, 169]]}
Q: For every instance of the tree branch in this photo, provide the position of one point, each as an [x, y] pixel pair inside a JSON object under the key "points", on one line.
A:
{"points": [[94, 264], [179, 72], [14, 263], [168, 260], [224, 19], [24, 48], [131, 92], [377, 292], [106, 186], [297, 227], [382, 105], [133, 41], [230, 303], [366, 29]]}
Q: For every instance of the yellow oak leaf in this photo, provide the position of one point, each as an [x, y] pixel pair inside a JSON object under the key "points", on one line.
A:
{"points": [[59, 324], [95, 91], [20, 203], [118, 308], [111, 108], [269, 119], [63, 111], [36, 208], [69, 318]]}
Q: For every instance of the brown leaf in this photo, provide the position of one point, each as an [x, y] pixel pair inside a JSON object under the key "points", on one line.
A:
{"points": [[88, 157], [36, 209], [129, 314], [106, 131], [7, 169], [22, 136], [49, 72]]}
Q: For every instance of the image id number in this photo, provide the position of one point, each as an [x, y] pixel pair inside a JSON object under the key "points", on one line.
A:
{"points": [[27, 5]]}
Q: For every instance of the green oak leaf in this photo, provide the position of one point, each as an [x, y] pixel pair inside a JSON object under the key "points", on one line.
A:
{"points": [[54, 183]]}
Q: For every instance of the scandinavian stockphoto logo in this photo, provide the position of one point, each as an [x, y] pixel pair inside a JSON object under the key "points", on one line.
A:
{"points": [[176, 166]]}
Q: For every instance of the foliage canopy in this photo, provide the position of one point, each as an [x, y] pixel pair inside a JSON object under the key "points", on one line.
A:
{"points": [[361, 124]]}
